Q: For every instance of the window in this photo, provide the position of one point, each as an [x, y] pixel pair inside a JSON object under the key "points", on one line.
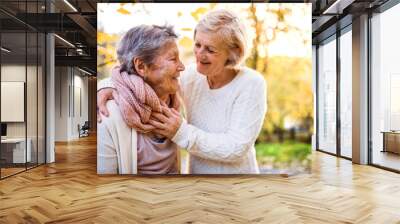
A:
{"points": [[385, 89], [327, 96], [23, 77], [346, 93]]}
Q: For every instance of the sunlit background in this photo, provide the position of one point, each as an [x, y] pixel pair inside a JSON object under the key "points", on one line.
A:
{"points": [[280, 42]]}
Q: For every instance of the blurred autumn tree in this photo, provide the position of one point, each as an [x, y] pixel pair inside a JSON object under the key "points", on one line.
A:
{"points": [[106, 55], [106, 47], [290, 97]]}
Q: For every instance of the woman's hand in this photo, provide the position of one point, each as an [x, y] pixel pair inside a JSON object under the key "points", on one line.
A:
{"points": [[103, 96], [166, 123]]}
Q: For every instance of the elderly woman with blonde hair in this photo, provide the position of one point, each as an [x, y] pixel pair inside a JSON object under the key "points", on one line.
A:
{"points": [[225, 101]]}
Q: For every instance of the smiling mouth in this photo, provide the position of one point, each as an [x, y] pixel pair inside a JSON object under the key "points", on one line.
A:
{"points": [[204, 63]]}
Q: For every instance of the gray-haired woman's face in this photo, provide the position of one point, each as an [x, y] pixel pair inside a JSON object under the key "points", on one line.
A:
{"points": [[163, 75]]}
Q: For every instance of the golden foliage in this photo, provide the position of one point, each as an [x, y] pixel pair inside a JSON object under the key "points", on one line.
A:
{"points": [[186, 42], [198, 13], [106, 53], [123, 11], [187, 29], [290, 96], [103, 38]]}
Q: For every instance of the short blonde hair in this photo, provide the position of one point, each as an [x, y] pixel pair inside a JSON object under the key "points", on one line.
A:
{"points": [[232, 32]]}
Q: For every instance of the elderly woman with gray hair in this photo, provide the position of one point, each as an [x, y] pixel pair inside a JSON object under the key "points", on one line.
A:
{"points": [[225, 102], [145, 82]]}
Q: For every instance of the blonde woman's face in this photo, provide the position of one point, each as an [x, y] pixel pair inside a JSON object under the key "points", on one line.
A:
{"points": [[163, 75], [210, 52]]}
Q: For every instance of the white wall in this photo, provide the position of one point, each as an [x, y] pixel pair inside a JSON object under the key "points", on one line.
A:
{"points": [[71, 94], [80, 110], [12, 73], [61, 103]]}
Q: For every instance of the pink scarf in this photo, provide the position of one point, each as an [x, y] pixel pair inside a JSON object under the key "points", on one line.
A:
{"points": [[136, 99]]}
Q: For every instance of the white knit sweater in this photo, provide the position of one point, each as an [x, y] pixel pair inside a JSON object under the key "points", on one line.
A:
{"points": [[221, 124]]}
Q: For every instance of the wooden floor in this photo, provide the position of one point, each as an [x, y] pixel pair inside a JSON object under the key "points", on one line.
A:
{"points": [[10, 171], [70, 191]]}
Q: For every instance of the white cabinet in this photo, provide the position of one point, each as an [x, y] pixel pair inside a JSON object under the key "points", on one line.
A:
{"points": [[17, 146]]}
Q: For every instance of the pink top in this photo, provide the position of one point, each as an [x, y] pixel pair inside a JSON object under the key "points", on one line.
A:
{"points": [[156, 156]]}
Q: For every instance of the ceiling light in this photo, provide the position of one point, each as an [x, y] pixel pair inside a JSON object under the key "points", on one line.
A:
{"points": [[337, 7], [64, 40], [5, 49], [86, 72], [70, 5]]}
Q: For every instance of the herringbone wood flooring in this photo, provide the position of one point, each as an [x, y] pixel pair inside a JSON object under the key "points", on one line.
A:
{"points": [[70, 191]]}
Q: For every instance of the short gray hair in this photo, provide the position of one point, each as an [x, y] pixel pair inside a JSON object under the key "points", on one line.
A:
{"points": [[232, 31], [143, 42]]}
